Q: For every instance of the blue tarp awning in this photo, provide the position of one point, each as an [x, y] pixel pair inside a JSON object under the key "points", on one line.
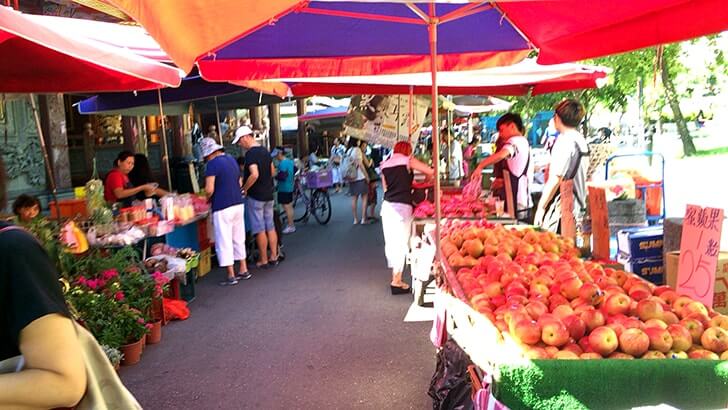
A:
{"points": [[177, 100]]}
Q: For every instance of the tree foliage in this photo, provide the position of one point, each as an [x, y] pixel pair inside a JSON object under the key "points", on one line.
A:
{"points": [[651, 68]]}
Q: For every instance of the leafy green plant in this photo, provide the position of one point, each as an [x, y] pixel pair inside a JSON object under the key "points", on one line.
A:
{"points": [[100, 260], [111, 321], [115, 356], [139, 291]]}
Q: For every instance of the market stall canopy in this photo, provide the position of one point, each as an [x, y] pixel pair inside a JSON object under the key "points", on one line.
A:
{"points": [[518, 79], [176, 100], [469, 104], [44, 54], [251, 39], [326, 113]]}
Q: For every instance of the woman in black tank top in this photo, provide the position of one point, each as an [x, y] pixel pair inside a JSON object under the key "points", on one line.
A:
{"points": [[396, 210]]}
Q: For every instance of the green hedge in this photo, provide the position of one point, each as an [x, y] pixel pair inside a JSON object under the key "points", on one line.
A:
{"points": [[614, 384]]}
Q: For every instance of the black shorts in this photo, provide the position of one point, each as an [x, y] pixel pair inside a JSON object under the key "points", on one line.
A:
{"points": [[285, 198]]}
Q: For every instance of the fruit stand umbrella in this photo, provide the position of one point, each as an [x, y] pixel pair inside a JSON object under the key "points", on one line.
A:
{"points": [[47, 54], [294, 38], [59, 55], [519, 79], [562, 30]]}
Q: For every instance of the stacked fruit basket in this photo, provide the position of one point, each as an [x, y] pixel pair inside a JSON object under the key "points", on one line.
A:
{"points": [[522, 302]]}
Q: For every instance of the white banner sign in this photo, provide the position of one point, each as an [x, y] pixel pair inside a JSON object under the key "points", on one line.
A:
{"points": [[384, 119]]}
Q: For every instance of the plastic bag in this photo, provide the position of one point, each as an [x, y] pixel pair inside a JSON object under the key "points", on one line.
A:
{"points": [[450, 386], [175, 309], [474, 188]]}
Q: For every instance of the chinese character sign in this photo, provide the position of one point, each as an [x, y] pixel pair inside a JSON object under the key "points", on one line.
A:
{"points": [[699, 248], [384, 119]]}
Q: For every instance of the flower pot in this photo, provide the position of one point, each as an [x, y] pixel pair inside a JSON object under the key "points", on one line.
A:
{"points": [[144, 342], [116, 367], [155, 333], [132, 353], [158, 310]]}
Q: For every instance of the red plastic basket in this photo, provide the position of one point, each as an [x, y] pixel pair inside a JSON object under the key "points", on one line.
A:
{"points": [[319, 179]]}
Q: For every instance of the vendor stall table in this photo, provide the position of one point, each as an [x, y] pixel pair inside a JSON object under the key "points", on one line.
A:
{"points": [[421, 258], [519, 383], [193, 234]]}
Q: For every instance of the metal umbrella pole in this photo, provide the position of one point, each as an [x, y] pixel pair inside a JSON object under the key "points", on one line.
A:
{"points": [[410, 110], [432, 30], [165, 150], [46, 160]]}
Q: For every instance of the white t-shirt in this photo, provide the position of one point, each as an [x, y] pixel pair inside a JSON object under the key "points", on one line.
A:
{"points": [[563, 154], [519, 153], [456, 160]]}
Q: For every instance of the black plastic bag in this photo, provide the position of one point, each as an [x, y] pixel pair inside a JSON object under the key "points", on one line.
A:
{"points": [[450, 387]]}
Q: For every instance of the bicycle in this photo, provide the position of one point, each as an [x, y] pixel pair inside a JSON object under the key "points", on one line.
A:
{"points": [[311, 197]]}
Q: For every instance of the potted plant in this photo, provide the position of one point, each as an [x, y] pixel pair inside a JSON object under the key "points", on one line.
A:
{"points": [[130, 322], [157, 308], [115, 356], [110, 320]]}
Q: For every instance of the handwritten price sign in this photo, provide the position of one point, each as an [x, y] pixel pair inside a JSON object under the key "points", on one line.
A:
{"points": [[699, 248]]}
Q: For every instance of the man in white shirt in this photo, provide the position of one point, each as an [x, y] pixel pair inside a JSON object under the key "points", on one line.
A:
{"points": [[569, 161], [516, 153], [456, 158]]}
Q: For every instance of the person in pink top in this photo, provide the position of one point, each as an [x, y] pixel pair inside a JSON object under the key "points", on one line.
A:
{"points": [[516, 153]]}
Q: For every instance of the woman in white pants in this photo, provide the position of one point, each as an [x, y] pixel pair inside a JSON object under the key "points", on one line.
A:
{"points": [[222, 185], [396, 210]]}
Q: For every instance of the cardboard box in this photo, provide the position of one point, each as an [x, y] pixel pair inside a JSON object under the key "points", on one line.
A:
{"points": [[720, 302], [651, 269], [640, 243]]}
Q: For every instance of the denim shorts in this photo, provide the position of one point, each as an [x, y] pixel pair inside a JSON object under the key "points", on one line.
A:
{"points": [[260, 215]]}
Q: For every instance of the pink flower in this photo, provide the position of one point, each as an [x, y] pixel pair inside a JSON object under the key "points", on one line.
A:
{"points": [[141, 321], [109, 274], [148, 326], [119, 296], [81, 280], [92, 284]]}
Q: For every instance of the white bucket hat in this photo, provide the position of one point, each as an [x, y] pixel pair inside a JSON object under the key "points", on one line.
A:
{"points": [[241, 132], [208, 146]]}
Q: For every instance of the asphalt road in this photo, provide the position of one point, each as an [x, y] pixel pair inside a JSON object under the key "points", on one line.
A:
{"points": [[320, 331]]}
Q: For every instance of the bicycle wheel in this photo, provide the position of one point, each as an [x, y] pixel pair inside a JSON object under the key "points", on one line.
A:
{"points": [[300, 206], [321, 206]]}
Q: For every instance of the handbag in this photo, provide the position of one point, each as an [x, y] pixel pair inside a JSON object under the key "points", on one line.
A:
{"points": [[282, 176], [104, 389]]}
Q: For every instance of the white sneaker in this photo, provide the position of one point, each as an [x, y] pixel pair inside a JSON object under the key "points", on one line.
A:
{"points": [[289, 229]]}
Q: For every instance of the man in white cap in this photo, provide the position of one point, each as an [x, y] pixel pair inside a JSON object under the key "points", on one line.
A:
{"points": [[258, 187], [222, 185]]}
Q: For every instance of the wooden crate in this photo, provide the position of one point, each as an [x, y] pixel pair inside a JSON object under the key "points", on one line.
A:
{"points": [[205, 265]]}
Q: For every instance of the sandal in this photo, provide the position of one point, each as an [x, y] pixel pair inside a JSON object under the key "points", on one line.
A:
{"points": [[399, 290], [229, 282], [274, 262], [261, 265], [243, 276]]}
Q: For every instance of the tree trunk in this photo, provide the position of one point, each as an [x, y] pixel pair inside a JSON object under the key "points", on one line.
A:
{"points": [[275, 136], [672, 99]]}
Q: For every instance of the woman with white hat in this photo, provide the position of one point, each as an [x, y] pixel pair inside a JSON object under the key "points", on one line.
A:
{"points": [[222, 185]]}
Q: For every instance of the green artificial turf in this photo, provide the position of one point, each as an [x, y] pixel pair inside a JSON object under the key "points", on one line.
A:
{"points": [[613, 384]]}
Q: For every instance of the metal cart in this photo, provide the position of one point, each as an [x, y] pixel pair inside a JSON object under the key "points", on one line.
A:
{"points": [[651, 219]]}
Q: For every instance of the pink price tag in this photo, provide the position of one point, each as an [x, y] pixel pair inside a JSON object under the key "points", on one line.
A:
{"points": [[699, 249]]}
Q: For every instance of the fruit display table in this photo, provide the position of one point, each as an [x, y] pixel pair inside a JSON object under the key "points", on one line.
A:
{"points": [[490, 321]]}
